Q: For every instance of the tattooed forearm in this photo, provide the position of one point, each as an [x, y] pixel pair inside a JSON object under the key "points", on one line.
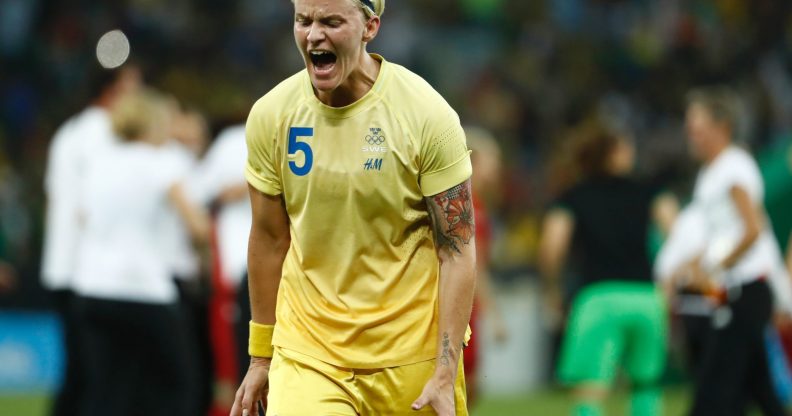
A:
{"points": [[445, 357], [452, 217]]}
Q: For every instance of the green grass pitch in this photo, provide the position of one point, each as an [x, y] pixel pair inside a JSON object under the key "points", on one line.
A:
{"points": [[544, 403]]}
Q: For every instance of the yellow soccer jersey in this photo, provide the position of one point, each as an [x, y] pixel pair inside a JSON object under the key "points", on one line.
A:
{"points": [[360, 279]]}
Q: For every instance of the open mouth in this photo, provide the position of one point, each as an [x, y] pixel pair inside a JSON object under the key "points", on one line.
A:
{"points": [[323, 61]]}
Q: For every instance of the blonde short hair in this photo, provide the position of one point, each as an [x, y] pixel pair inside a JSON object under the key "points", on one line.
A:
{"points": [[480, 140], [721, 102], [379, 7], [139, 114]]}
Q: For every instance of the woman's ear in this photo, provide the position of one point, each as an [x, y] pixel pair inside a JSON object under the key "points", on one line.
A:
{"points": [[371, 29]]}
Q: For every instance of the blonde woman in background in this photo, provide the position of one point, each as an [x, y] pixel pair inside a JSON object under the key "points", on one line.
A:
{"points": [[74, 144], [132, 328]]}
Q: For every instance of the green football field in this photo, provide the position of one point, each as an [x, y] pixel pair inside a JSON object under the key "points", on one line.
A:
{"points": [[557, 402], [546, 403]]}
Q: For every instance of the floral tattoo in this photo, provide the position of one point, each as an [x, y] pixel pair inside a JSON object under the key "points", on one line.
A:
{"points": [[456, 224]]}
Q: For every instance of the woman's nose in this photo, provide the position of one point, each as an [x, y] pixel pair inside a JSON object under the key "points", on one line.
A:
{"points": [[315, 33]]}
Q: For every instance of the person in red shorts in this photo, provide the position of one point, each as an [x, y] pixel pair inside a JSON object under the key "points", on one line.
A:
{"points": [[486, 160]]}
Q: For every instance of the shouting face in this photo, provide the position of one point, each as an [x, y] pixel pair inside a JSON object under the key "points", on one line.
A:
{"points": [[331, 36]]}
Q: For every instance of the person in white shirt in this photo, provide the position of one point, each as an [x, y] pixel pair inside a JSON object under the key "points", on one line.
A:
{"points": [[187, 144], [74, 143], [739, 259], [674, 268], [218, 181], [189, 262], [128, 299]]}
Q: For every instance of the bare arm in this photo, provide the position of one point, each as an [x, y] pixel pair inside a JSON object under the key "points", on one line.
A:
{"points": [[752, 222], [665, 209], [269, 241], [193, 216], [557, 229], [451, 213], [233, 193], [452, 220], [789, 255]]}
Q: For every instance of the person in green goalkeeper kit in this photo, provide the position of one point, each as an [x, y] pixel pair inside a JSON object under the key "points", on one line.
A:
{"points": [[618, 316]]}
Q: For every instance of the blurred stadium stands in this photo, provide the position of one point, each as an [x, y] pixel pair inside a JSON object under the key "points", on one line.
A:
{"points": [[527, 70]]}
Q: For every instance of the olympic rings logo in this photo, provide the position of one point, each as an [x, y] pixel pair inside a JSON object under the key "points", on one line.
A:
{"points": [[375, 140]]}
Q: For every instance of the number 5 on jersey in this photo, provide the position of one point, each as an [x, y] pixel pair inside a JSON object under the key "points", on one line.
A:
{"points": [[296, 146]]}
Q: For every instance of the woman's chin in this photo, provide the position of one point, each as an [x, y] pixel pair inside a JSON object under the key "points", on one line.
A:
{"points": [[324, 82]]}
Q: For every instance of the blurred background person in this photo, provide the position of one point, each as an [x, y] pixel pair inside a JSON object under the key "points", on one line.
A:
{"points": [[220, 185], [189, 258], [133, 336], [526, 71], [675, 270], [74, 143], [739, 261], [9, 278], [486, 159], [618, 317], [8, 275], [788, 256]]}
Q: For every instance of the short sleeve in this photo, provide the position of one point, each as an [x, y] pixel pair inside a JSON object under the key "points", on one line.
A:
{"points": [[177, 165], [745, 174], [261, 167], [445, 159], [61, 173], [735, 168], [220, 167]]}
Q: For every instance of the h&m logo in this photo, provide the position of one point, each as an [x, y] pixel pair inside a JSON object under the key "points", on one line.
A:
{"points": [[373, 164]]}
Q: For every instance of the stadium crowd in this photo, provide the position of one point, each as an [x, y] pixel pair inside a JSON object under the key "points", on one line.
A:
{"points": [[534, 74]]}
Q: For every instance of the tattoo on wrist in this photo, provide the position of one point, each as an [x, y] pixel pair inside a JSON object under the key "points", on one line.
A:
{"points": [[445, 357], [455, 208]]}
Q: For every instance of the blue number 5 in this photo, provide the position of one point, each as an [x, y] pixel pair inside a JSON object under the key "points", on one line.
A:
{"points": [[298, 146]]}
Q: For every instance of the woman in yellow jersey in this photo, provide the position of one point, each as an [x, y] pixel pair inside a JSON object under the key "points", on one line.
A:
{"points": [[361, 253]]}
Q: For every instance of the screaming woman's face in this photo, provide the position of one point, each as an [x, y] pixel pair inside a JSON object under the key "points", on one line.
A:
{"points": [[331, 36]]}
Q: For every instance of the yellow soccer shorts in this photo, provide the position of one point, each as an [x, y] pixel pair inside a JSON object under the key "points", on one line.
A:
{"points": [[304, 386]]}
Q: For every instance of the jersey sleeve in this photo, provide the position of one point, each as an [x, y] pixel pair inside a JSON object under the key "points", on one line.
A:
{"points": [[221, 163], [445, 159], [261, 167], [62, 171]]}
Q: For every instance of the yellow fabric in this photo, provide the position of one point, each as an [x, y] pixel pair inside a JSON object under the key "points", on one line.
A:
{"points": [[260, 341], [360, 280], [304, 386]]}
